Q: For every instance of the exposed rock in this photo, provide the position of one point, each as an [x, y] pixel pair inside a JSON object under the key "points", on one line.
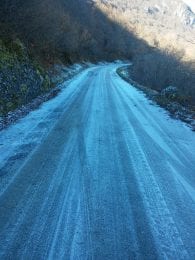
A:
{"points": [[186, 15], [169, 91], [152, 10]]}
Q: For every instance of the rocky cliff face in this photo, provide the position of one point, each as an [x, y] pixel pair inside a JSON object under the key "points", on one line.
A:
{"points": [[186, 15], [167, 24], [165, 11]]}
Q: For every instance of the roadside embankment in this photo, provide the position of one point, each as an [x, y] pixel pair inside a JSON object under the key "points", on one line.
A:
{"points": [[169, 98]]}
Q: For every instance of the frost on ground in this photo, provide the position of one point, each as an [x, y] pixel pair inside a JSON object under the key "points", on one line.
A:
{"points": [[99, 172], [59, 74], [20, 139], [169, 98]]}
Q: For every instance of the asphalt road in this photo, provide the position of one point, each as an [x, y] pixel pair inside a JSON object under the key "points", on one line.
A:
{"points": [[112, 177]]}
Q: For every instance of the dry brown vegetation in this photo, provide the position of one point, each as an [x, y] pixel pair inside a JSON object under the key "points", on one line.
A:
{"points": [[159, 70], [161, 45], [170, 58]]}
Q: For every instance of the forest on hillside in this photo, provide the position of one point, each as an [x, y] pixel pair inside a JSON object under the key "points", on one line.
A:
{"points": [[75, 30], [69, 30]]}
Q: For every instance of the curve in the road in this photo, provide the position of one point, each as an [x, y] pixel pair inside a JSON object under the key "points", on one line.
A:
{"points": [[110, 177]]}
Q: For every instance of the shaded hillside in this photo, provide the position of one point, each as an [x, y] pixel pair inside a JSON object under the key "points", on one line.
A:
{"points": [[21, 79], [69, 30], [76, 30], [98, 29], [168, 29], [168, 24]]}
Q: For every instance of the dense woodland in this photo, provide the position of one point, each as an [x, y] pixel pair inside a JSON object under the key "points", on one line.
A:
{"points": [[69, 30], [76, 30]]}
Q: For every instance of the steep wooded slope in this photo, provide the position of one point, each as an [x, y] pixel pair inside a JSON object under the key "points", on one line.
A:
{"points": [[158, 36]]}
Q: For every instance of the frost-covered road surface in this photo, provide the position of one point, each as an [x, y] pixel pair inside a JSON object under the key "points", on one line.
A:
{"points": [[97, 173]]}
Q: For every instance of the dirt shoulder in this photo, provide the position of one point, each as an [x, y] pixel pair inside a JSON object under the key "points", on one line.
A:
{"points": [[167, 100], [59, 76]]}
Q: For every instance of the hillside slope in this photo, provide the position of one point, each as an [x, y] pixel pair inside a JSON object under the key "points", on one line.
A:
{"points": [[163, 24], [21, 78], [155, 35]]}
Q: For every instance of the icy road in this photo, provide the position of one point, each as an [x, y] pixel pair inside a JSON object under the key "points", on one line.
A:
{"points": [[99, 172]]}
